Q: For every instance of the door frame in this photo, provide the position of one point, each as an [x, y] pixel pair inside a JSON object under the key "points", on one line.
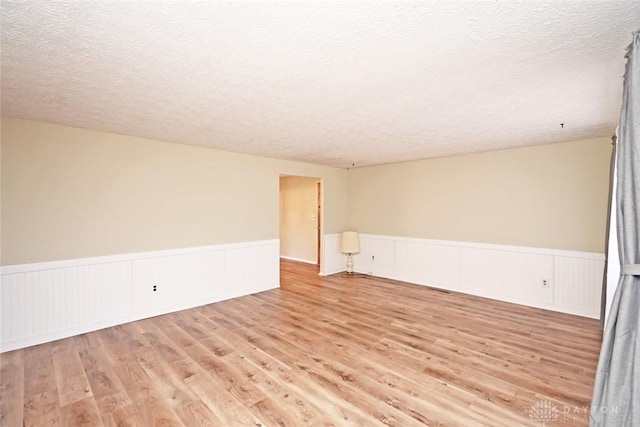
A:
{"points": [[319, 214], [319, 220]]}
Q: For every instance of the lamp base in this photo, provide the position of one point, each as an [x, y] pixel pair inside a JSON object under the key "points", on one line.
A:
{"points": [[349, 265]]}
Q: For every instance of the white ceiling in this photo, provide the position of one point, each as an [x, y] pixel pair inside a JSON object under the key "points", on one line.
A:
{"points": [[328, 82]]}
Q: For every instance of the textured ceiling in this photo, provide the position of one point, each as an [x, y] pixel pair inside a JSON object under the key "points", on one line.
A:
{"points": [[333, 83]]}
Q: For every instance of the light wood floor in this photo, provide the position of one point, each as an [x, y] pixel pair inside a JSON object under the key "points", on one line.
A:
{"points": [[317, 351]]}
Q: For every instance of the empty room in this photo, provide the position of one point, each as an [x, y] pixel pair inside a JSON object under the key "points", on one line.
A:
{"points": [[271, 213]]}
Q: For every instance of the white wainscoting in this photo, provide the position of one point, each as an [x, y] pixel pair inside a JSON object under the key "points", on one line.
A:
{"points": [[43, 302], [333, 261], [506, 273]]}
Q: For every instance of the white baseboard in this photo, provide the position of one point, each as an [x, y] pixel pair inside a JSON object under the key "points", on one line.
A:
{"points": [[306, 261], [46, 301], [507, 273]]}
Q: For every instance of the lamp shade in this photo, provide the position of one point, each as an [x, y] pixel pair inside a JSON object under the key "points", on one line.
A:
{"points": [[350, 243]]}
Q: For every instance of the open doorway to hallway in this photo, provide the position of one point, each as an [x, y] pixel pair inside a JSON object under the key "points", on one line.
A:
{"points": [[301, 219]]}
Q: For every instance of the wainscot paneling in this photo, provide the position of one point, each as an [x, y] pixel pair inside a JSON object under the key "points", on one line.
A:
{"points": [[46, 301], [433, 265], [559, 280], [508, 275], [576, 281], [333, 261]]}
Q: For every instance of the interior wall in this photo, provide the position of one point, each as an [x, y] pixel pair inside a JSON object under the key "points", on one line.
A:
{"points": [[298, 218], [72, 193], [549, 196]]}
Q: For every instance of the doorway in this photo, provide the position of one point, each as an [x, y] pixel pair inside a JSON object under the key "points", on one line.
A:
{"points": [[301, 219]]}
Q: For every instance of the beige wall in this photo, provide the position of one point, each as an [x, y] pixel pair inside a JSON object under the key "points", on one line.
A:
{"points": [[71, 193], [550, 196], [298, 218]]}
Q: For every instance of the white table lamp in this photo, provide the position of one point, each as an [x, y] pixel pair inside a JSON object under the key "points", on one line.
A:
{"points": [[350, 245]]}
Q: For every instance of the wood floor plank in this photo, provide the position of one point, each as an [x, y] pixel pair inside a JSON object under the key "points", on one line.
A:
{"points": [[39, 378], [393, 396], [270, 383], [222, 403], [225, 374], [42, 409], [12, 370], [198, 414], [71, 380], [81, 413], [343, 381], [418, 366], [126, 416], [166, 381], [86, 341], [148, 403], [106, 387], [322, 351], [272, 377]]}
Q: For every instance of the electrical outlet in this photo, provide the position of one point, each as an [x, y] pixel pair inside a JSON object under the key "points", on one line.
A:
{"points": [[155, 288], [545, 283], [373, 257]]}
